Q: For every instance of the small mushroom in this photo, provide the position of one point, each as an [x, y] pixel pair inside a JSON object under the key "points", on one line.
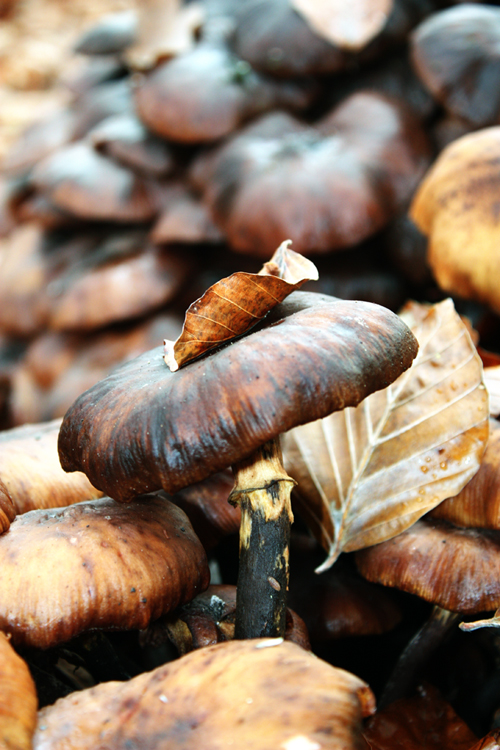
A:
{"points": [[96, 565], [255, 695], [228, 408], [18, 700]]}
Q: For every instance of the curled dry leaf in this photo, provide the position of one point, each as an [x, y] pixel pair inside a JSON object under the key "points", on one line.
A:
{"points": [[235, 304], [368, 473], [348, 25]]}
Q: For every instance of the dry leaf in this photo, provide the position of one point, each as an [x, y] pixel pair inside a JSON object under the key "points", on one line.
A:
{"points": [[166, 29], [235, 304], [347, 25], [368, 473]]}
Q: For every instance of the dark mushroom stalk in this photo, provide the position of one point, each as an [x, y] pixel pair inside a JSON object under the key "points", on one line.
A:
{"points": [[262, 489]]}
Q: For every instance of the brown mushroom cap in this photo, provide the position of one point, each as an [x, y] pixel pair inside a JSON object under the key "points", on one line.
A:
{"points": [[314, 355], [96, 565], [263, 694], [456, 206], [326, 187], [31, 474], [18, 700], [459, 569], [206, 93], [79, 180], [455, 52]]}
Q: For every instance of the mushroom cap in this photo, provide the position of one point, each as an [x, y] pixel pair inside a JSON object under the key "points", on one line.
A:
{"points": [[30, 472], [326, 187], [459, 569], [456, 54], [18, 700], [144, 427], [264, 694], [456, 206], [96, 565]]}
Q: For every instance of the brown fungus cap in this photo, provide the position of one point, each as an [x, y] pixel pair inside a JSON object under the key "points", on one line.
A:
{"points": [[96, 565], [145, 427], [30, 471], [260, 694], [18, 700], [326, 187], [459, 569]]}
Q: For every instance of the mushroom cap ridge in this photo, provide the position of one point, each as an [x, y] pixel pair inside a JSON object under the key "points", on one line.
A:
{"points": [[144, 427]]}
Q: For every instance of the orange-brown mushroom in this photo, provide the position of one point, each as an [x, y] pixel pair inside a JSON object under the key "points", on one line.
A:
{"points": [[255, 695], [18, 700], [96, 565]]}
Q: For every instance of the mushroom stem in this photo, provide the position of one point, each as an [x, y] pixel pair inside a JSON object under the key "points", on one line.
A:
{"points": [[262, 489], [417, 653]]}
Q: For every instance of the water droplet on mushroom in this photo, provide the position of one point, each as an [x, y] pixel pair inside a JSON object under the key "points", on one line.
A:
{"points": [[424, 469], [443, 464], [453, 385], [428, 459]]}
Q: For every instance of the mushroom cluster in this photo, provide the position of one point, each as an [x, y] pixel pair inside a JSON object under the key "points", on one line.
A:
{"points": [[194, 140]]}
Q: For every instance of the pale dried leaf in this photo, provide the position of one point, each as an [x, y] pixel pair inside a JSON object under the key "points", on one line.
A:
{"points": [[492, 383], [367, 473], [166, 29], [347, 25], [235, 304]]}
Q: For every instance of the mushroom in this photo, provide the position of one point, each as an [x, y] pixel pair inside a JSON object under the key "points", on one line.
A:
{"points": [[264, 694], [456, 569], [18, 700], [456, 206], [96, 564], [326, 187], [228, 408]]}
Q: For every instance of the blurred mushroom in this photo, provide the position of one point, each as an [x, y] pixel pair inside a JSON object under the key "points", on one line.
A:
{"points": [[183, 218], [456, 206], [207, 93], [455, 52], [18, 700], [111, 34], [30, 472], [125, 139], [57, 368], [229, 408], [96, 565], [90, 186], [262, 694], [326, 187]]}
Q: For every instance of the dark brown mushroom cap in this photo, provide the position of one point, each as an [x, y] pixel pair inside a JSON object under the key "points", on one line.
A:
{"points": [[459, 569], [96, 565], [18, 700], [325, 187], [79, 180], [30, 472], [145, 427], [456, 54], [207, 93], [250, 694]]}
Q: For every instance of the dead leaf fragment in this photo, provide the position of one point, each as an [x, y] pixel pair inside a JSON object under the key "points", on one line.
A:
{"points": [[235, 304], [367, 473], [348, 25]]}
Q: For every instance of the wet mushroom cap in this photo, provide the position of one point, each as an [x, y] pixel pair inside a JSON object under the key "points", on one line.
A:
{"points": [[96, 565], [144, 428], [18, 700], [459, 569], [257, 694]]}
